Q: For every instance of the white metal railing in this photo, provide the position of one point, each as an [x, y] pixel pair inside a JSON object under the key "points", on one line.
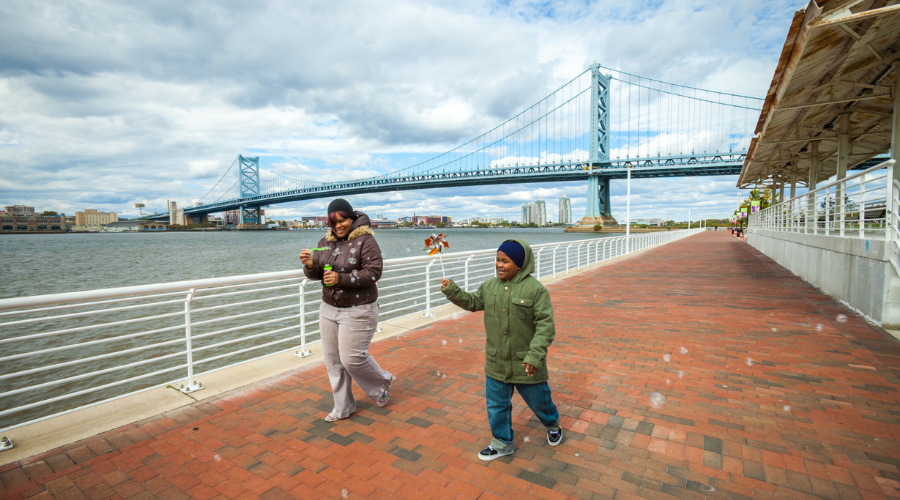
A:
{"points": [[67, 351], [855, 206]]}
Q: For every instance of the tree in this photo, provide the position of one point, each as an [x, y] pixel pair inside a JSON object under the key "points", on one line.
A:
{"points": [[47, 213], [598, 227]]}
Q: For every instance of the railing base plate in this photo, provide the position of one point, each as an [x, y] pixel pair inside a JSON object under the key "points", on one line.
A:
{"points": [[187, 389], [428, 315], [6, 444], [303, 354]]}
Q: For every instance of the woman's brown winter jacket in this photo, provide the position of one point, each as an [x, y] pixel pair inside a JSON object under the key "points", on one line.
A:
{"points": [[357, 260]]}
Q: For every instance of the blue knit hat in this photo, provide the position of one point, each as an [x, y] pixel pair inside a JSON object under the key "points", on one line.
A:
{"points": [[514, 251]]}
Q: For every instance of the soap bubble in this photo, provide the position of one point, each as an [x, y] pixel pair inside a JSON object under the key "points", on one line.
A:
{"points": [[373, 278], [352, 279], [786, 407], [443, 342], [382, 256], [819, 327], [683, 350], [668, 382], [706, 487], [667, 358], [460, 341], [344, 493], [527, 439], [841, 318], [774, 329], [749, 361], [438, 374], [337, 251], [657, 400], [444, 376], [680, 374], [408, 250], [351, 261], [357, 295], [217, 458], [352, 250]]}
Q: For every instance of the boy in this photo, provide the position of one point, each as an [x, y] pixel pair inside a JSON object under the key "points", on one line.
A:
{"points": [[518, 320]]}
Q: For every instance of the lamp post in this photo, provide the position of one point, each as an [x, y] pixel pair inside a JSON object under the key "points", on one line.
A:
{"points": [[628, 212]]}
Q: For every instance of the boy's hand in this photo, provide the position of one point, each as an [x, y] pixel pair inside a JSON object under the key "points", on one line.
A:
{"points": [[529, 370], [330, 278], [445, 283]]}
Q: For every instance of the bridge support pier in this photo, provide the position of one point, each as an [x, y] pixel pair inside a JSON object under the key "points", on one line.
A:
{"points": [[599, 208]]}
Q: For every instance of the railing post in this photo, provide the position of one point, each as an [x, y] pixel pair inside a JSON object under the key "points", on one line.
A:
{"points": [[827, 211], [862, 207], [843, 189], [567, 257], [578, 257], [192, 385], [537, 264], [890, 206], [303, 352], [428, 313], [553, 269], [466, 283]]}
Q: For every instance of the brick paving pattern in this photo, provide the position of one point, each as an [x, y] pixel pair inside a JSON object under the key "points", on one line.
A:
{"points": [[768, 393]]}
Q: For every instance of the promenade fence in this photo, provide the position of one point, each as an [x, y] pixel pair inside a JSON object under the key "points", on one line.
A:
{"points": [[68, 351]]}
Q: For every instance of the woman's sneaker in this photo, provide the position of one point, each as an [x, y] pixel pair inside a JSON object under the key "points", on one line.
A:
{"points": [[387, 394], [554, 437], [489, 454]]}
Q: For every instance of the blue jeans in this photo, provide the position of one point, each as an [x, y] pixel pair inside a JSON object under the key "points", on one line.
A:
{"points": [[499, 409]]}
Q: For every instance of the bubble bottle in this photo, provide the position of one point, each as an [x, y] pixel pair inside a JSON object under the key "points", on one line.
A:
{"points": [[327, 268]]}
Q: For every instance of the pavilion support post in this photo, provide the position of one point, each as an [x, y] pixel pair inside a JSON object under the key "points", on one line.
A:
{"points": [[843, 155], [811, 217]]}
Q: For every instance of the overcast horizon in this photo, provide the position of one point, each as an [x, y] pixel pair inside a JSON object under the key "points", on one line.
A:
{"points": [[108, 104]]}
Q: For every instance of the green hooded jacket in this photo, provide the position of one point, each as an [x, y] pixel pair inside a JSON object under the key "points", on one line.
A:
{"points": [[518, 320]]}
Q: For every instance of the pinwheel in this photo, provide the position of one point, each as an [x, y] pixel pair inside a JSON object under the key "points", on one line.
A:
{"points": [[435, 244]]}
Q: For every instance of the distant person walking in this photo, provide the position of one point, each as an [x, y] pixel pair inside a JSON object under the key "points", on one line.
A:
{"points": [[348, 315]]}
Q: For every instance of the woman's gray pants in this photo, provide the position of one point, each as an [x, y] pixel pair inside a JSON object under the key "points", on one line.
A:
{"points": [[346, 335]]}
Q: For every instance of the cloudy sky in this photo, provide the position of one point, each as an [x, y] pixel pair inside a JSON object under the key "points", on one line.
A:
{"points": [[108, 104]]}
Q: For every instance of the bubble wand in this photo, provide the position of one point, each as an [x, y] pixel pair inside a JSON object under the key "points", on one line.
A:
{"points": [[436, 244]]}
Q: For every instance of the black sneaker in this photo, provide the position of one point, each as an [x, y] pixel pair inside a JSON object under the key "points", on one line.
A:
{"points": [[554, 437], [489, 454]]}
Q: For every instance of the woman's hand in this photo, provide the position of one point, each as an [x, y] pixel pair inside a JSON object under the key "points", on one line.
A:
{"points": [[529, 370], [330, 278], [445, 283], [306, 258]]}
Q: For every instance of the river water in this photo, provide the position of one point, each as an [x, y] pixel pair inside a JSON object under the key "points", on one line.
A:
{"points": [[41, 264]]}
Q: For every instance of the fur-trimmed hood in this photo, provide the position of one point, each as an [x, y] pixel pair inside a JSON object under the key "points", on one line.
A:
{"points": [[361, 225]]}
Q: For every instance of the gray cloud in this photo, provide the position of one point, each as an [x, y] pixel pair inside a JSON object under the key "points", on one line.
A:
{"points": [[111, 103]]}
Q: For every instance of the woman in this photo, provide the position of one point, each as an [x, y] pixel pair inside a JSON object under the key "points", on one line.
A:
{"points": [[348, 315]]}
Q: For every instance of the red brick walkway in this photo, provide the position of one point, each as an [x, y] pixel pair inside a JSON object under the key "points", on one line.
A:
{"points": [[768, 392]]}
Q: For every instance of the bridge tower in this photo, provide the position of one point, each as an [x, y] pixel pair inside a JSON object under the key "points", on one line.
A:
{"points": [[249, 170], [599, 210]]}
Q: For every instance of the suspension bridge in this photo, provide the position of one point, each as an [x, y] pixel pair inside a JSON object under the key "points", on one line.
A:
{"points": [[595, 128]]}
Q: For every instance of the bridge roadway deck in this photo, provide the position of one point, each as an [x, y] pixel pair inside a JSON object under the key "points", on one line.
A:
{"points": [[816, 414]]}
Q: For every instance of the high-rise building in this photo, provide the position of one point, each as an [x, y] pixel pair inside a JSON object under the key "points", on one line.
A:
{"points": [[539, 212], [91, 217], [527, 210], [565, 210]]}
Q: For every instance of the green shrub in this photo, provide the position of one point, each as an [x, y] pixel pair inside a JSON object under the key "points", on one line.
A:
{"points": [[598, 227]]}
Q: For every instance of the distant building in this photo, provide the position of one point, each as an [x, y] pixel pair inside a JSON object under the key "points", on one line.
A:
{"points": [[565, 210], [33, 223], [19, 210], [123, 226], [654, 221], [498, 221], [527, 210], [91, 217], [382, 222], [540, 212]]}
